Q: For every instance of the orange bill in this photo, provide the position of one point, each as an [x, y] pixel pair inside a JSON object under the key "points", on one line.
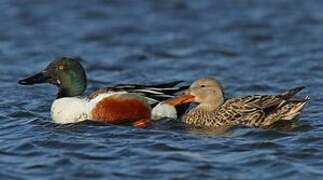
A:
{"points": [[179, 100]]}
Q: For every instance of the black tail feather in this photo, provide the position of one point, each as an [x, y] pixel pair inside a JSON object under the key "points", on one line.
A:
{"points": [[162, 85], [159, 92], [292, 92]]}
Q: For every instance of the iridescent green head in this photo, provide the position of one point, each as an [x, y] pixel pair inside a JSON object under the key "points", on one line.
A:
{"points": [[66, 73]]}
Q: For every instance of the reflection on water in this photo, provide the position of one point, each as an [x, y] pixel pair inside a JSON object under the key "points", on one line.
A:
{"points": [[225, 131]]}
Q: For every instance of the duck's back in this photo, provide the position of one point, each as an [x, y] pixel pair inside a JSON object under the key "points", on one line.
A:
{"points": [[232, 112], [153, 93], [254, 111]]}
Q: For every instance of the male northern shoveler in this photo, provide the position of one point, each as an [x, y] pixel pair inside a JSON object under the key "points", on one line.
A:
{"points": [[121, 104], [254, 111]]}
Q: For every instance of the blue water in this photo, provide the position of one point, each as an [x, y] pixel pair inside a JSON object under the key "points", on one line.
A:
{"points": [[251, 46]]}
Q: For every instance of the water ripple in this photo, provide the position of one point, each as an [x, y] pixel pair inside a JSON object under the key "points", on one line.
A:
{"points": [[254, 47]]}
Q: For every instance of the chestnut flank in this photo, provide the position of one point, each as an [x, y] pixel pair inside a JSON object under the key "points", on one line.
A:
{"points": [[117, 110]]}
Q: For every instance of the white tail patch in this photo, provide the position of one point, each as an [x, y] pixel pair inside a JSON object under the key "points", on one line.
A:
{"points": [[163, 110]]}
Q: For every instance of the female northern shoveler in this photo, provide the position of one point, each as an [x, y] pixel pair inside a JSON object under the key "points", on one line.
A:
{"points": [[127, 103], [254, 111]]}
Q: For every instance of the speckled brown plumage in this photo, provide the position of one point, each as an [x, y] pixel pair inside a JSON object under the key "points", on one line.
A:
{"points": [[253, 111]]}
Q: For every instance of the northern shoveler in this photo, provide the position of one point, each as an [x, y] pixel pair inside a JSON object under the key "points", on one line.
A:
{"points": [[120, 104], [254, 111]]}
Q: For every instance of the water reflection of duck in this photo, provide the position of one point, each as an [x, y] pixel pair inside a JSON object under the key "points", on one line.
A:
{"points": [[120, 104]]}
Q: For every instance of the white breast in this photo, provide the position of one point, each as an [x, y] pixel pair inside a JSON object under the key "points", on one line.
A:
{"points": [[69, 110]]}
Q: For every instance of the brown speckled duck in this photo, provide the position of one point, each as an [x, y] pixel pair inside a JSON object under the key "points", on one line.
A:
{"points": [[253, 111]]}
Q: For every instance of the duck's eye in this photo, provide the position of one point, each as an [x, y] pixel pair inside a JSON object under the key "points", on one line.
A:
{"points": [[61, 67], [202, 86]]}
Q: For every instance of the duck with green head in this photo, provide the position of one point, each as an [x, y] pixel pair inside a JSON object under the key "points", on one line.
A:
{"points": [[127, 103], [66, 73]]}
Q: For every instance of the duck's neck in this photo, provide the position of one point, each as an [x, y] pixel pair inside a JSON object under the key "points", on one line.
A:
{"points": [[70, 91], [72, 82]]}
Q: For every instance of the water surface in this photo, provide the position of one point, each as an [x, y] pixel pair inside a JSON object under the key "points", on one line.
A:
{"points": [[252, 47]]}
